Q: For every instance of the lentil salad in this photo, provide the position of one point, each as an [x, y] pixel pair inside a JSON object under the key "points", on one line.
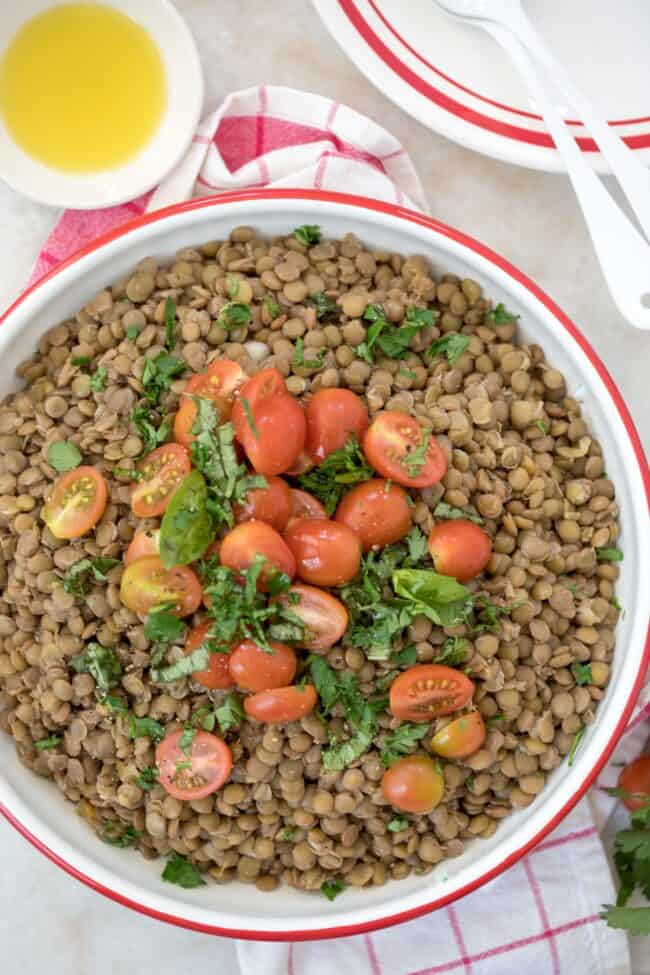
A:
{"points": [[521, 463]]}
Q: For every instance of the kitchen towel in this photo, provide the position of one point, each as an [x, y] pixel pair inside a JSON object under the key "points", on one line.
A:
{"points": [[542, 915]]}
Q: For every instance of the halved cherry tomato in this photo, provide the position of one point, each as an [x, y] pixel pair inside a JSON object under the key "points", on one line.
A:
{"points": [[414, 784], [143, 544], [271, 504], [333, 416], [377, 511], [217, 673], [461, 737], [265, 384], [205, 386], [229, 375], [326, 553], [459, 548], [635, 779], [147, 583], [302, 464], [324, 616], [76, 502], [194, 772], [426, 691], [393, 445], [281, 705], [252, 538], [272, 432], [304, 505], [253, 669], [161, 471]]}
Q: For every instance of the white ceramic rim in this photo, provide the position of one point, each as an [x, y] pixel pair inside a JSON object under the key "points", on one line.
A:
{"points": [[327, 920], [375, 46], [168, 144]]}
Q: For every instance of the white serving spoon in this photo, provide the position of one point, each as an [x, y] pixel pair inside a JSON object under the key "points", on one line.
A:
{"points": [[623, 252]]}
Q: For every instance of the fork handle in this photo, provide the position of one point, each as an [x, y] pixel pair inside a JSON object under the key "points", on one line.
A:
{"points": [[633, 176], [623, 253]]}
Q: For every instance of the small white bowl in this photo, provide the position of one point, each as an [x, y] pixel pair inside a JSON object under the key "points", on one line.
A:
{"points": [[88, 191], [39, 811]]}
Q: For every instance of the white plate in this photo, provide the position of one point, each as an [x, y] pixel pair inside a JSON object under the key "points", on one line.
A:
{"points": [[89, 191], [39, 810], [456, 80]]}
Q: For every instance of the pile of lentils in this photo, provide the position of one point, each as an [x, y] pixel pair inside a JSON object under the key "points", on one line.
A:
{"points": [[519, 454]]}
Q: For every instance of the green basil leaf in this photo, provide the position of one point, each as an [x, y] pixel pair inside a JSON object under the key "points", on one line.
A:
{"points": [[186, 529], [63, 456], [441, 598], [179, 870]]}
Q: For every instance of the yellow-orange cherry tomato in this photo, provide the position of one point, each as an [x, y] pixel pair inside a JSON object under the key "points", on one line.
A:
{"points": [[161, 472], [414, 784], [147, 583], [461, 737], [142, 544], [76, 503]]}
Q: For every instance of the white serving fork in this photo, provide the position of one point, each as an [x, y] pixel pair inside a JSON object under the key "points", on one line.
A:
{"points": [[623, 252]]}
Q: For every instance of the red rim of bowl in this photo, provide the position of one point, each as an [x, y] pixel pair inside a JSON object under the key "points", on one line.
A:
{"points": [[410, 216], [440, 98]]}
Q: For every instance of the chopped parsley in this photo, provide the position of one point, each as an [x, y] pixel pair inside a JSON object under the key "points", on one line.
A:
{"points": [[98, 379], [186, 740], [342, 690], [288, 834], [609, 554], [307, 235], [179, 870], [495, 719], [500, 315], [132, 333], [404, 658], [230, 713], [632, 858], [158, 375], [489, 614], [542, 425], [147, 778], [234, 314], [162, 626], [63, 456], [393, 341], [44, 744], [102, 663], [299, 357], [449, 512], [81, 575], [146, 728], [581, 673], [332, 888], [326, 307], [117, 835], [232, 283], [454, 652], [452, 345], [416, 459], [170, 323], [401, 741], [114, 703], [579, 735], [213, 455], [342, 468], [82, 361], [397, 824], [152, 435], [189, 664], [272, 306]]}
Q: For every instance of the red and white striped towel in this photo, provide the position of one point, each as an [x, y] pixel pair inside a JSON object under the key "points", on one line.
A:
{"points": [[542, 916]]}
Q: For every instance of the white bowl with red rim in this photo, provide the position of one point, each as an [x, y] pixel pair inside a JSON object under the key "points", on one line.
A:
{"points": [[36, 808], [455, 79]]}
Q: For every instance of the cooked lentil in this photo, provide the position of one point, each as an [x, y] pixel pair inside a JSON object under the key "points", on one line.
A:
{"points": [[520, 454]]}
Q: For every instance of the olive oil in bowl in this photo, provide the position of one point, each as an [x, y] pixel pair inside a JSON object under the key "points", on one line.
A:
{"points": [[82, 88]]}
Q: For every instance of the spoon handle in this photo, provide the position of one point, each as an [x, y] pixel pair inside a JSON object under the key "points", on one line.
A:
{"points": [[633, 176], [623, 253]]}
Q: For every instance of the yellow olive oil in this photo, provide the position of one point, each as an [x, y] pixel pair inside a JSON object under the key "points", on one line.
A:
{"points": [[82, 87]]}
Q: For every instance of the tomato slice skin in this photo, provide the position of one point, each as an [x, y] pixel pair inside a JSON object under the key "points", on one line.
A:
{"points": [[147, 583], [461, 737], [205, 386], [271, 504], [252, 669], [428, 691], [304, 505], [229, 376], [327, 553], [251, 538], [76, 502], [636, 779], [389, 443], [301, 465], [413, 784], [210, 760], [325, 617], [142, 544], [217, 673], [377, 511], [282, 704], [459, 548], [272, 432], [162, 471], [333, 416], [265, 384]]}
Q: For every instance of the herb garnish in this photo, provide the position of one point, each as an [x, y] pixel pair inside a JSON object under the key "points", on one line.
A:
{"points": [[146, 728], [632, 858], [80, 576], [132, 333], [116, 835], [230, 712], [147, 778], [326, 307], [329, 481], [582, 673], [401, 741], [198, 659], [416, 459], [500, 315], [82, 361], [234, 314], [152, 436], [170, 323], [342, 690], [299, 357], [307, 235], [98, 379], [44, 744], [187, 527], [272, 306], [102, 663], [397, 824], [158, 375], [449, 512], [163, 626], [452, 345], [393, 341], [63, 456], [179, 870], [609, 554], [332, 888], [579, 735], [454, 652]]}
